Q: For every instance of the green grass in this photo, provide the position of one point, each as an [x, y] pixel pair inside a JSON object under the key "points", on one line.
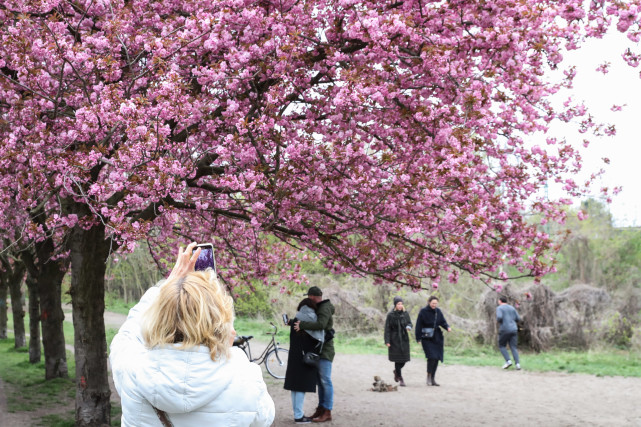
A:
{"points": [[117, 305], [259, 329], [25, 386], [459, 351]]}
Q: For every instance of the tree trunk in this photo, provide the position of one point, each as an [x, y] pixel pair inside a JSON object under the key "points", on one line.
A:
{"points": [[50, 275], [89, 251], [44, 281], [15, 281], [3, 309], [35, 353]]}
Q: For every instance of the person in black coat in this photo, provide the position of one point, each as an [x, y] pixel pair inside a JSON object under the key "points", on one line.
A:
{"points": [[300, 378], [397, 340], [431, 317]]}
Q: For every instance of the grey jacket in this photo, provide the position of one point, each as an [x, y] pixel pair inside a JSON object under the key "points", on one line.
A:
{"points": [[507, 317], [307, 314]]}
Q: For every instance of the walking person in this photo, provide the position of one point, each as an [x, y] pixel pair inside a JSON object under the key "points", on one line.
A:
{"points": [[173, 362], [507, 317], [325, 322], [430, 317], [397, 340], [301, 378]]}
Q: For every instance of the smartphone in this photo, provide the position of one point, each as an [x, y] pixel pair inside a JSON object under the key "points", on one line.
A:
{"points": [[285, 318], [206, 258]]}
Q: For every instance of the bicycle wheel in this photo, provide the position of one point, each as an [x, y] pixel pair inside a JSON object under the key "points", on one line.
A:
{"points": [[276, 362]]}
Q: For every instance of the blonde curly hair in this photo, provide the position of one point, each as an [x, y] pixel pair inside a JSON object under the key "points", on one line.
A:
{"points": [[192, 310]]}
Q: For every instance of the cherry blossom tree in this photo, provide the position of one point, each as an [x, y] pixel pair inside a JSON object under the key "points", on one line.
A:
{"points": [[46, 263], [392, 138]]}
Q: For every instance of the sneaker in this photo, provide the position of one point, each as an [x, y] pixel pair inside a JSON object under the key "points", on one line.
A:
{"points": [[303, 420], [507, 364], [518, 366]]}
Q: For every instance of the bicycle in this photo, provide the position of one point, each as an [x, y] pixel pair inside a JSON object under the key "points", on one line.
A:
{"points": [[274, 356]]}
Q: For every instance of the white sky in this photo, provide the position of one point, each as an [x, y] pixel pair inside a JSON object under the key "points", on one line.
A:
{"points": [[622, 85]]}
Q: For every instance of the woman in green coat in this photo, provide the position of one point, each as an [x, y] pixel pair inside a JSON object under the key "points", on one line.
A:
{"points": [[397, 340]]}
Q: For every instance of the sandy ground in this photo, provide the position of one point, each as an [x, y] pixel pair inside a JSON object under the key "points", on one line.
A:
{"points": [[468, 396]]}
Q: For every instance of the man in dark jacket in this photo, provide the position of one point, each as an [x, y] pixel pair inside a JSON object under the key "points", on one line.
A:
{"points": [[507, 317], [325, 313]]}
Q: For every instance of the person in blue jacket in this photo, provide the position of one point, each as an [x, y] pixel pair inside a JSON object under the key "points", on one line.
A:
{"points": [[431, 317]]}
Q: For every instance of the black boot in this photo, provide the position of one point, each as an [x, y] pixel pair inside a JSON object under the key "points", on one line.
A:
{"points": [[395, 375], [434, 383], [429, 379]]}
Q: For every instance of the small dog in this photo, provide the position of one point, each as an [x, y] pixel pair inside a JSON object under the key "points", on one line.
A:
{"points": [[380, 385]]}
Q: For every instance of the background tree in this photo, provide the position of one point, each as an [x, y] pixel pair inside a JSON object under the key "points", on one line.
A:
{"points": [[41, 252], [387, 137], [12, 275]]}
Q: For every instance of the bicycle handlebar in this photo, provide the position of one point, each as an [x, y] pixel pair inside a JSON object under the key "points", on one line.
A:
{"points": [[275, 330]]}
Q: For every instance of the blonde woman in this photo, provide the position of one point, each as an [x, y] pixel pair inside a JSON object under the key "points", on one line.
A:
{"points": [[173, 363]]}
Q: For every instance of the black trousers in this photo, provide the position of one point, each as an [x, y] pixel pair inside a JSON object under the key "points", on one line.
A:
{"points": [[398, 366]]}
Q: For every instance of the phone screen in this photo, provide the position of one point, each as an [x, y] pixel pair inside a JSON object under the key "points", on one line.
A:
{"points": [[206, 258]]}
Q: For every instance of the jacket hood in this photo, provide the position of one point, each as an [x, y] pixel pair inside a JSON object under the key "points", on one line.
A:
{"points": [[181, 381]]}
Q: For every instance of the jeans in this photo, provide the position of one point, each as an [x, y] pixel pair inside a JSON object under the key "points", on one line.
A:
{"points": [[325, 387], [511, 339], [298, 398]]}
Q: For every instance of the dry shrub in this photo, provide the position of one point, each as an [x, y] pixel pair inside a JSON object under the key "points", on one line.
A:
{"points": [[568, 319], [580, 311]]}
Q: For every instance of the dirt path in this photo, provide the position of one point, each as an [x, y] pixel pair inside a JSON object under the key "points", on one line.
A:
{"points": [[470, 396]]}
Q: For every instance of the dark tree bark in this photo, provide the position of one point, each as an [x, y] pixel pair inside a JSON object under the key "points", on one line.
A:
{"points": [[52, 318], [35, 353], [48, 275], [16, 274], [3, 307], [89, 251]]}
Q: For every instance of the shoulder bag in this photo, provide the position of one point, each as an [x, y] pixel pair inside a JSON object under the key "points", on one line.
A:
{"points": [[311, 358], [427, 333], [163, 417]]}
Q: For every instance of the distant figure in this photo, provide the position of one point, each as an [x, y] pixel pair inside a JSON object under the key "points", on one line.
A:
{"points": [[325, 322], [397, 340], [301, 378], [507, 317], [430, 317], [173, 362]]}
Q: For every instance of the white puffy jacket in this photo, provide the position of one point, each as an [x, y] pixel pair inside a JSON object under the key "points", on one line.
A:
{"points": [[191, 388]]}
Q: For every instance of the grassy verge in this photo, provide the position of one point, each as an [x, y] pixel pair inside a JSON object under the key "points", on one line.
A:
{"points": [[117, 305], [28, 391]]}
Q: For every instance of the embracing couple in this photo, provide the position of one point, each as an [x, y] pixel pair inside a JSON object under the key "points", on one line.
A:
{"points": [[311, 335]]}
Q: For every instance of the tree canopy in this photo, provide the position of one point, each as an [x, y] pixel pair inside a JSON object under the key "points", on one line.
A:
{"points": [[388, 137]]}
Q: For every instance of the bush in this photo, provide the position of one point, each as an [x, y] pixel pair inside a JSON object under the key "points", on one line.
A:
{"points": [[619, 331], [254, 302]]}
